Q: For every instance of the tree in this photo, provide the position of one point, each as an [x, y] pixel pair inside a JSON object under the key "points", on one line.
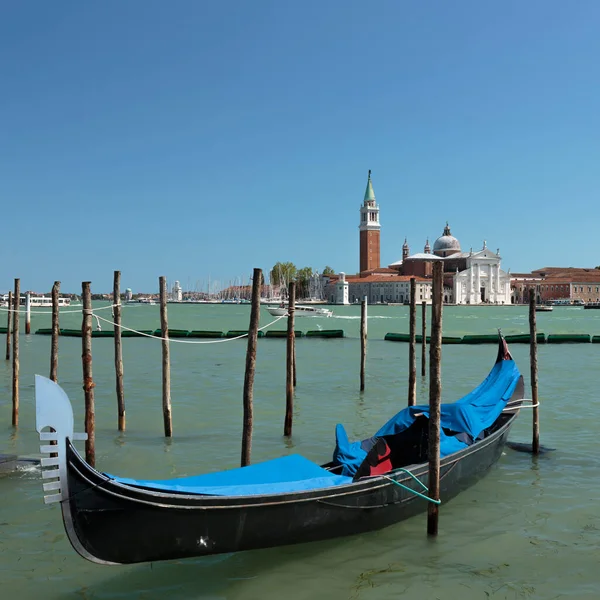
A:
{"points": [[328, 271], [283, 273], [303, 278]]}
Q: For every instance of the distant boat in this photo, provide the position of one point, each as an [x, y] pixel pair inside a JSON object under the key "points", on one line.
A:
{"points": [[544, 308], [592, 305], [300, 311]]}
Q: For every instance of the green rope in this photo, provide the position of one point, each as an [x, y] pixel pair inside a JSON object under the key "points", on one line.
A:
{"points": [[405, 487]]}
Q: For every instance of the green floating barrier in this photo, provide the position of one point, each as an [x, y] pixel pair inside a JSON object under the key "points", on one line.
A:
{"points": [[236, 333], [449, 339], [569, 338], [326, 333], [103, 334], [44, 331], [173, 333], [524, 338], [178, 333], [198, 333], [275, 333], [491, 338], [397, 337], [596, 339], [405, 337], [4, 330], [127, 333], [70, 332]]}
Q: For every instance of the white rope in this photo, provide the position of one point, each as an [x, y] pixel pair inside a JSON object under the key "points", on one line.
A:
{"points": [[49, 312], [522, 406], [180, 341]]}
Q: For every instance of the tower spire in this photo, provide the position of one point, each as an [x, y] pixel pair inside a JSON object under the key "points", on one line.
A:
{"points": [[369, 230]]}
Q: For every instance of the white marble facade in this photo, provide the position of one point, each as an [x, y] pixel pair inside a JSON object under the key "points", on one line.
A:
{"points": [[483, 281]]}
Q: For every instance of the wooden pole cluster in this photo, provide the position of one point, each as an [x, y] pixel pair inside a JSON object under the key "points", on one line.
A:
{"points": [[55, 332], [363, 342], [28, 313], [88, 381], [435, 396], [289, 376], [412, 360], [535, 443], [424, 338], [166, 364], [118, 350], [15, 356], [9, 324], [251, 368]]}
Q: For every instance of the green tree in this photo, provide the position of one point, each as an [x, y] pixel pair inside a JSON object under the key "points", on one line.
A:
{"points": [[303, 278], [282, 273], [328, 271]]}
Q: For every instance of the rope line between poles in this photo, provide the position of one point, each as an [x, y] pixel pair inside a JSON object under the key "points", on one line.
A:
{"points": [[180, 341]]}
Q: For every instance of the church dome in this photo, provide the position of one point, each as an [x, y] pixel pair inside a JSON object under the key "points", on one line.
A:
{"points": [[446, 244]]}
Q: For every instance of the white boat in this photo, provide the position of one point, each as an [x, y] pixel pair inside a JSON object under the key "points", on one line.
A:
{"points": [[543, 308], [36, 301], [300, 311]]}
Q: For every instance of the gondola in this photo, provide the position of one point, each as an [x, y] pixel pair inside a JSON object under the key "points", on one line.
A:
{"points": [[368, 485]]}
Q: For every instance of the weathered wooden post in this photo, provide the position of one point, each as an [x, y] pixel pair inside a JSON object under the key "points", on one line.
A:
{"points": [[118, 350], [88, 381], [535, 443], [250, 368], [15, 362], [412, 359], [363, 342], [166, 363], [9, 321], [27, 313], [424, 338], [289, 386], [435, 395], [55, 333]]}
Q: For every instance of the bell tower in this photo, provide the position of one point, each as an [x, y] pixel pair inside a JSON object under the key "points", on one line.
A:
{"points": [[370, 230]]}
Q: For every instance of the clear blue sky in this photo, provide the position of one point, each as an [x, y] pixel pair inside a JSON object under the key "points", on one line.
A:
{"points": [[194, 139]]}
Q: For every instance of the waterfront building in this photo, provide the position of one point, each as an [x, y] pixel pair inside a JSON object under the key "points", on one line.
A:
{"points": [[557, 284], [470, 277], [176, 292]]}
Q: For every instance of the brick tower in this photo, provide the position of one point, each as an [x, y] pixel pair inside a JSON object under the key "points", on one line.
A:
{"points": [[370, 230]]}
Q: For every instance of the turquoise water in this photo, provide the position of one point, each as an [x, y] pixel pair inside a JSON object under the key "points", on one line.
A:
{"points": [[530, 529]]}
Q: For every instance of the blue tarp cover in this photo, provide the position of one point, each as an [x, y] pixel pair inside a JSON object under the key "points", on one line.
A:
{"points": [[471, 415], [287, 474]]}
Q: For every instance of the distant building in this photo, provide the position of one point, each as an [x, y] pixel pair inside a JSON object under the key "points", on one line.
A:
{"points": [[573, 285], [128, 295], [470, 277], [370, 230], [176, 292]]}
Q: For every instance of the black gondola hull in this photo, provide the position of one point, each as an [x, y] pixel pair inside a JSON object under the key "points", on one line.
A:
{"points": [[109, 522]]}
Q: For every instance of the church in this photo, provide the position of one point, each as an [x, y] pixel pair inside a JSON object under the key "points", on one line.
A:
{"points": [[473, 277]]}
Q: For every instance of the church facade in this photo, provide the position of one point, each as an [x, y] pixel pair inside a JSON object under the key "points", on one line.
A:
{"points": [[469, 277]]}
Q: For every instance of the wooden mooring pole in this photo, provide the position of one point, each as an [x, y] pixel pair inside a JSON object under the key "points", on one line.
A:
{"points": [[27, 313], [118, 350], [435, 395], [535, 443], [412, 359], [251, 368], [363, 342], [424, 338], [55, 332], [166, 363], [15, 356], [289, 371], [88, 381], [9, 321]]}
